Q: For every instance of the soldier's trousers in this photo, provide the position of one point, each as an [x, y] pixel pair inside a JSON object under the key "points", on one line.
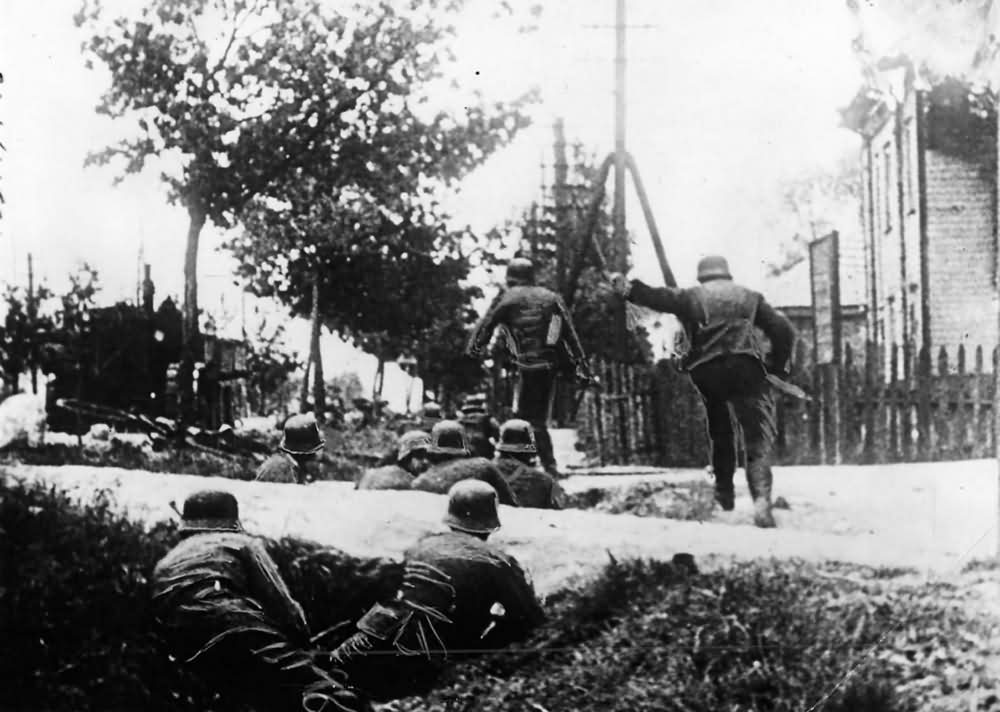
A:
{"points": [[252, 662], [533, 402], [736, 393]]}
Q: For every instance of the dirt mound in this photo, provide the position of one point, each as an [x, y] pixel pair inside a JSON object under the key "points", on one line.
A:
{"points": [[692, 500]]}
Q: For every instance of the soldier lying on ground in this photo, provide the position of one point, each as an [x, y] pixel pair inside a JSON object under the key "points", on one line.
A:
{"points": [[481, 429], [515, 459], [300, 444], [221, 608], [451, 463], [728, 366], [411, 461], [460, 597]]}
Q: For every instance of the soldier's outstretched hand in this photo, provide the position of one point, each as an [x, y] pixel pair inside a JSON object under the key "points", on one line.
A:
{"points": [[619, 283]]}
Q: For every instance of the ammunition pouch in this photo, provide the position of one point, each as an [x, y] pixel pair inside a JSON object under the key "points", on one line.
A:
{"points": [[384, 623]]}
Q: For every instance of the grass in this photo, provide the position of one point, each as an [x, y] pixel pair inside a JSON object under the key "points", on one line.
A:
{"points": [[643, 635], [669, 500]]}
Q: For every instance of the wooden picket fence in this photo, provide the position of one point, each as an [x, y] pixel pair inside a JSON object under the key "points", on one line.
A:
{"points": [[930, 406]]}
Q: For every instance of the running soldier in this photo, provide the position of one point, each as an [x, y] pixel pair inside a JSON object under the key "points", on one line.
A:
{"points": [[300, 444], [221, 608], [411, 461], [451, 463], [515, 459], [542, 342], [728, 366], [460, 597]]}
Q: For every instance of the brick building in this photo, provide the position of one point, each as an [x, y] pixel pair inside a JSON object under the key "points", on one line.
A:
{"points": [[928, 212]]}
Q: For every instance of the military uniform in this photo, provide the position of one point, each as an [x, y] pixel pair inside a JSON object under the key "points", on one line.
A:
{"points": [[460, 597], [532, 487], [542, 341], [727, 364], [388, 477], [440, 477], [479, 429], [280, 467], [221, 607]]}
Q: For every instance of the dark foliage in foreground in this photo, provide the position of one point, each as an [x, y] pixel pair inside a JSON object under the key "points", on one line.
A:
{"points": [[74, 613], [74, 622]]}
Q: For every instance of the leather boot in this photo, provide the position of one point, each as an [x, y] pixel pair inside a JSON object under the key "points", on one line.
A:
{"points": [[759, 479], [724, 493]]}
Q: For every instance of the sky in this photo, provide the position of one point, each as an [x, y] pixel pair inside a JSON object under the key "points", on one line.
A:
{"points": [[725, 98]]}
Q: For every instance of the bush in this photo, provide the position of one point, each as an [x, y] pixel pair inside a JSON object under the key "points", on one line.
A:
{"points": [[182, 461], [74, 601], [762, 636]]}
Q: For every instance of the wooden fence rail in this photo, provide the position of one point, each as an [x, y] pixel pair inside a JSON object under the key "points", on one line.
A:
{"points": [[875, 407]]}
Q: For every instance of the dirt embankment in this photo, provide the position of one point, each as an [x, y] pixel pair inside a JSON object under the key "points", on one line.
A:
{"points": [[930, 518]]}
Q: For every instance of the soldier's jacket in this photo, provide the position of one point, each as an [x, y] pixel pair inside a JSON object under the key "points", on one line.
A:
{"points": [[538, 325], [388, 477], [221, 606], [440, 477], [719, 317], [216, 581], [460, 597], [279, 467], [531, 486], [478, 431]]}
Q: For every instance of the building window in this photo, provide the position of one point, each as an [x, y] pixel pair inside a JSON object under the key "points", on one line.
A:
{"points": [[887, 185]]}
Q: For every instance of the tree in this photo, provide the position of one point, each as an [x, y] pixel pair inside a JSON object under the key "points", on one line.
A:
{"points": [[391, 282], [812, 204], [270, 365], [293, 89]]}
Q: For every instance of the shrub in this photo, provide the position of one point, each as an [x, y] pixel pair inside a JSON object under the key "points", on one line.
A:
{"points": [[760, 636]]}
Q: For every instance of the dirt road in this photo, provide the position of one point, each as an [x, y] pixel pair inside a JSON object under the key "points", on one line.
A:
{"points": [[933, 518]]}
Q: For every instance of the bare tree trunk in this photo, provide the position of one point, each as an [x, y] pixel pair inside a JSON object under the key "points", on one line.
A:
{"points": [[304, 390], [191, 335], [319, 384]]}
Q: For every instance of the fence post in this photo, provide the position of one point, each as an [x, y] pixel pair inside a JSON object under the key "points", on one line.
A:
{"points": [[892, 392], [977, 405], [926, 444]]}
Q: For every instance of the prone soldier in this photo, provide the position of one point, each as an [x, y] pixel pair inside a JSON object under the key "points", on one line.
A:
{"points": [[515, 459], [451, 463], [221, 607], [300, 444], [460, 597], [411, 461], [728, 366], [481, 429]]}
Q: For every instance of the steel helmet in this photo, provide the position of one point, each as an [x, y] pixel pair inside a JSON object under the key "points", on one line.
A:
{"points": [[302, 436], [211, 511], [448, 438], [472, 507], [431, 410], [713, 267], [412, 441], [520, 270], [517, 436]]}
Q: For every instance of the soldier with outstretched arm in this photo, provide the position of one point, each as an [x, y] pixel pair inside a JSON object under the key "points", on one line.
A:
{"points": [[729, 368], [542, 341]]}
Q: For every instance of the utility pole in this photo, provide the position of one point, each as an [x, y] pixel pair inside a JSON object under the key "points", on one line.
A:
{"points": [[618, 211], [32, 312]]}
